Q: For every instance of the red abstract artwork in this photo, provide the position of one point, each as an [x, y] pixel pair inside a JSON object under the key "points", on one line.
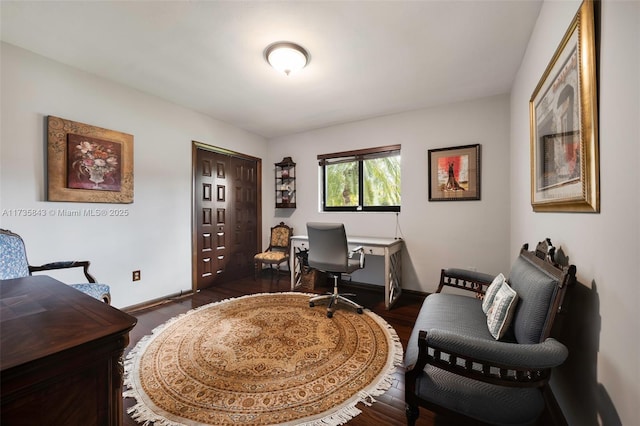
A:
{"points": [[453, 173]]}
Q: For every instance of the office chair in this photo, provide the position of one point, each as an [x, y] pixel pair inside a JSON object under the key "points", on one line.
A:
{"points": [[329, 252]]}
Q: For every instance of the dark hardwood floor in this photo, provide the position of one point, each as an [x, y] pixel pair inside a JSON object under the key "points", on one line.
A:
{"points": [[388, 408]]}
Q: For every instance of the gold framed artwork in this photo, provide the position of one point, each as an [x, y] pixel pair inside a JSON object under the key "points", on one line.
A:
{"points": [[87, 163], [563, 118], [454, 173]]}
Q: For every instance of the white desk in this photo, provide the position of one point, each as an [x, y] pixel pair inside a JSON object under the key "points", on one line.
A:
{"points": [[390, 248]]}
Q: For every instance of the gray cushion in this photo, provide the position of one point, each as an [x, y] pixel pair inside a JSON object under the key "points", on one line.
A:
{"points": [[535, 290], [494, 404], [452, 312]]}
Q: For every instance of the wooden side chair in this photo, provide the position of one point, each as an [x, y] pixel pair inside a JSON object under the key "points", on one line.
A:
{"points": [[14, 264], [278, 251]]}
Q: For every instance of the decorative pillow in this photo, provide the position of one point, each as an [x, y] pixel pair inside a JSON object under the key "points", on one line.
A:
{"points": [[490, 294], [501, 311]]}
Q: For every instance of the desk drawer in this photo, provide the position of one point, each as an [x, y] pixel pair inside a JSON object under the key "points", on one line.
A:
{"points": [[372, 250], [300, 244]]}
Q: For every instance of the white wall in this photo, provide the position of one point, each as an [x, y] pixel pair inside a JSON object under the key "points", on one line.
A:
{"points": [[436, 234], [155, 237], [600, 382]]}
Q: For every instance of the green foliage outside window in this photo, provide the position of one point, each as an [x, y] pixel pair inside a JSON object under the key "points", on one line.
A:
{"points": [[342, 184], [363, 184], [382, 181]]}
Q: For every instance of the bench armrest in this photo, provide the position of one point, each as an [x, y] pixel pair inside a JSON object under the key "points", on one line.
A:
{"points": [[491, 361], [547, 354]]}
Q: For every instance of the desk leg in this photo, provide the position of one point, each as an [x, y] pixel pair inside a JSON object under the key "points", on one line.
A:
{"points": [[392, 277], [293, 260]]}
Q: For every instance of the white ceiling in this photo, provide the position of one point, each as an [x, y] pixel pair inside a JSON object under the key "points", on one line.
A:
{"points": [[368, 58]]}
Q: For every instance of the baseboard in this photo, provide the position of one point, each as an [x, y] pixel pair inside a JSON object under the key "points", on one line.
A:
{"points": [[156, 302], [380, 288], [183, 293]]}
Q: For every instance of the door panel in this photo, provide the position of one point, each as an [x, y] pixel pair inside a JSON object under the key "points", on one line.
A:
{"points": [[206, 228], [227, 232]]}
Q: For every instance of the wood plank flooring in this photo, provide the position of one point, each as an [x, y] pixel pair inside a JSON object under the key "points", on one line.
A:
{"points": [[388, 408]]}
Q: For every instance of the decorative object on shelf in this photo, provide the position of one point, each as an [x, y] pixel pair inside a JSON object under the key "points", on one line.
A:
{"points": [[285, 184], [87, 163], [454, 173], [563, 113], [286, 57]]}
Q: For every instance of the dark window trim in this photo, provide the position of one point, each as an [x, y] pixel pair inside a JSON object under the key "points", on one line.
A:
{"points": [[359, 154]]}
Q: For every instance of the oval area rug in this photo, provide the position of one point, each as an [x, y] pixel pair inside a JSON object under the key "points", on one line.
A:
{"points": [[266, 359]]}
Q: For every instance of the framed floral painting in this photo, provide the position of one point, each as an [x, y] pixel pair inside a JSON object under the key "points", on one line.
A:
{"points": [[88, 164]]}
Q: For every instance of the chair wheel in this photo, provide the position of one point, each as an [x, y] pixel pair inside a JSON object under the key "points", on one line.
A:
{"points": [[329, 314], [359, 310], [311, 304]]}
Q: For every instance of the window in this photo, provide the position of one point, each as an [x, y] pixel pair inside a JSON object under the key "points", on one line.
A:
{"points": [[362, 180]]}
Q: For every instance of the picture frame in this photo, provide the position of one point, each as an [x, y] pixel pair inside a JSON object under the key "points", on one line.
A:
{"points": [[454, 173], [88, 164], [563, 113]]}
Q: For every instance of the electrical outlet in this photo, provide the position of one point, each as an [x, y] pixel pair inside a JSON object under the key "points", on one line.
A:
{"points": [[136, 276]]}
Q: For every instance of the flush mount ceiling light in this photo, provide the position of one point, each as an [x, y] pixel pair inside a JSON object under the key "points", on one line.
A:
{"points": [[286, 57]]}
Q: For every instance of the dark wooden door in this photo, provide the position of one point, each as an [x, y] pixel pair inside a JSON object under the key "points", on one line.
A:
{"points": [[226, 223]]}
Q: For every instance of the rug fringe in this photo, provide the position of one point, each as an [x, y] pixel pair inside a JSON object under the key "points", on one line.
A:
{"points": [[142, 414], [335, 419], [147, 418]]}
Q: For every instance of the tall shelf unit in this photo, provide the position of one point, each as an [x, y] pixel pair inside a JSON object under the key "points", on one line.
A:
{"points": [[286, 184]]}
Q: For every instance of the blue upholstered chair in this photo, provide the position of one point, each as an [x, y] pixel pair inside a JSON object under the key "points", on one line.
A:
{"points": [[14, 264]]}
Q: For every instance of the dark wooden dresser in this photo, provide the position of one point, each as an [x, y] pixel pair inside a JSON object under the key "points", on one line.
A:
{"points": [[60, 355]]}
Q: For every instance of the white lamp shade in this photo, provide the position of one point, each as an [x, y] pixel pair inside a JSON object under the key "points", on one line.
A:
{"points": [[286, 57]]}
